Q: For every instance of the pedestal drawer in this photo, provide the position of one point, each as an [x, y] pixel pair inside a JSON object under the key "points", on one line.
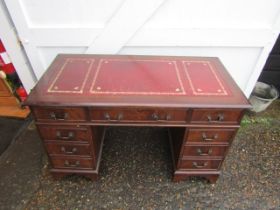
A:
{"points": [[199, 164], [72, 162], [65, 133], [204, 151], [59, 114], [216, 116], [68, 149], [210, 135], [138, 115]]}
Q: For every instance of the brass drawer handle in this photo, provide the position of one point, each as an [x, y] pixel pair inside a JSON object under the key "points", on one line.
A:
{"points": [[73, 151], [168, 117], [120, 116], [76, 164], [68, 137], [199, 152], [108, 117], [157, 118], [205, 138], [219, 118], [196, 165], [56, 116]]}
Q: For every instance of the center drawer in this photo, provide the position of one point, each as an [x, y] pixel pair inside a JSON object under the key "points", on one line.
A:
{"points": [[80, 134], [138, 115]]}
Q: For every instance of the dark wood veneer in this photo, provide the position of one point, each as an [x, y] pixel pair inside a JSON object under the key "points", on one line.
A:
{"points": [[58, 148], [72, 112], [65, 133]]}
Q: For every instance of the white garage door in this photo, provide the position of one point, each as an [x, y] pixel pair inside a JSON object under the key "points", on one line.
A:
{"points": [[240, 32]]}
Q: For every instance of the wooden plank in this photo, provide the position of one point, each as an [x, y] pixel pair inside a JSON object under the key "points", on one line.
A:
{"points": [[12, 111], [53, 37], [129, 18], [9, 101], [77, 37], [201, 37], [4, 89]]}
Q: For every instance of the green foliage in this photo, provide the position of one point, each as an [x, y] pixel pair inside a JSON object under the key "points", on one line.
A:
{"points": [[256, 120]]}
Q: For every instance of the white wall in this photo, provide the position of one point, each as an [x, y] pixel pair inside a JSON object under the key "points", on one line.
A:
{"points": [[240, 33]]}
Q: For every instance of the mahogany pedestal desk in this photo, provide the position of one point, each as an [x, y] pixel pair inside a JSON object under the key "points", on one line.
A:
{"points": [[79, 95]]}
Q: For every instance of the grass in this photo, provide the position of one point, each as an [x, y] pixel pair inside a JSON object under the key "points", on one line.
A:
{"points": [[249, 120]]}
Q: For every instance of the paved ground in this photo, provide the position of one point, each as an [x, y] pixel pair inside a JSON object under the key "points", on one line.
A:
{"points": [[9, 128], [136, 171]]}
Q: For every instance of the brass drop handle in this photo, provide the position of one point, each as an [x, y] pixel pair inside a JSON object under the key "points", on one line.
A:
{"points": [[199, 152], [168, 117], [73, 151], [107, 116], [196, 165], [56, 116], [219, 118], [205, 138], [68, 137], [66, 163], [120, 116], [155, 116]]}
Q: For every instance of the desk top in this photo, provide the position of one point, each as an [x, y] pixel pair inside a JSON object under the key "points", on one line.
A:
{"points": [[126, 80]]}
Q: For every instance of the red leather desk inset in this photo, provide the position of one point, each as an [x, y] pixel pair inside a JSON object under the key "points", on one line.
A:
{"points": [[80, 95]]}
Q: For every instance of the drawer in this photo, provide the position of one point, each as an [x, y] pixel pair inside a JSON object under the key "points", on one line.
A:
{"points": [[204, 151], [216, 116], [199, 164], [68, 149], [59, 114], [65, 133], [209, 135], [138, 115], [71, 162]]}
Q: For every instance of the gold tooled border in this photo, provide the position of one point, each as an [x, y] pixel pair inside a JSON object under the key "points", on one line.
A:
{"points": [[69, 60], [182, 92], [223, 93]]}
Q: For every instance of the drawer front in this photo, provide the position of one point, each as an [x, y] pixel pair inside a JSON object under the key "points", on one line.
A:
{"points": [[65, 133], [204, 151], [194, 164], [210, 135], [216, 116], [59, 114], [138, 115], [68, 149], [74, 163]]}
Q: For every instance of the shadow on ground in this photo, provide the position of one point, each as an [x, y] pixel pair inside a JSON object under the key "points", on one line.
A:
{"points": [[136, 171], [9, 127]]}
